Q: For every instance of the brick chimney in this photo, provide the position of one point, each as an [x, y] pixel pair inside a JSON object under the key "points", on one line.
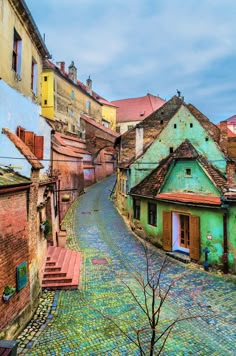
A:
{"points": [[61, 65], [89, 85], [139, 140], [224, 136], [230, 171], [72, 72]]}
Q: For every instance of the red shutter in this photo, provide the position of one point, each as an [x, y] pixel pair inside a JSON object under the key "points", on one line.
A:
{"points": [[194, 231], [167, 230], [38, 147], [29, 140], [20, 133]]}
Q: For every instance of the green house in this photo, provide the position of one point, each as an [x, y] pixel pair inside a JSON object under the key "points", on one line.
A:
{"points": [[176, 184]]}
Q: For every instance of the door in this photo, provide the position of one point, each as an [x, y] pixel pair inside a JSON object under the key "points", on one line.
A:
{"points": [[184, 236]]}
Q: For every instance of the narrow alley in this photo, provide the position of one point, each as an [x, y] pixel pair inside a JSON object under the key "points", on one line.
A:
{"points": [[83, 321]]}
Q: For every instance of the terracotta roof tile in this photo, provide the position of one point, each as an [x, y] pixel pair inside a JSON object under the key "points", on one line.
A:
{"points": [[137, 109], [151, 185], [21, 146], [189, 198]]}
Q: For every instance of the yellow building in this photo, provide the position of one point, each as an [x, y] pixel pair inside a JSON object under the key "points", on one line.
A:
{"points": [[65, 98], [23, 49]]}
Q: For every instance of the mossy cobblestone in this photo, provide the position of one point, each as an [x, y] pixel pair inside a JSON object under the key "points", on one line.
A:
{"points": [[79, 322]]}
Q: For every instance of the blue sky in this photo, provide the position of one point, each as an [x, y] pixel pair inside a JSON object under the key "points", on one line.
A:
{"points": [[131, 48]]}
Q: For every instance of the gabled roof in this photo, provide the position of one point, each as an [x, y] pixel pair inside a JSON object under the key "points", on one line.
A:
{"points": [[137, 109], [231, 120], [24, 150], [151, 185], [153, 126], [8, 177], [98, 125]]}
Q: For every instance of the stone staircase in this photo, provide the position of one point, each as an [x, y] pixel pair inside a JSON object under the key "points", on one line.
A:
{"points": [[62, 269]]}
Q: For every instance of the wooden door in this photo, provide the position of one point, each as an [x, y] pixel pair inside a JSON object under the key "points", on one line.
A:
{"points": [[194, 231], [167, 230]]}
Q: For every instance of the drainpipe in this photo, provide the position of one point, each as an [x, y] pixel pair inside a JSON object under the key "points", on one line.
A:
{"points": [[225, 206]]}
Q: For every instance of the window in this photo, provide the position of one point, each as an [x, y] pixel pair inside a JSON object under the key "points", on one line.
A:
{"points": [[152, 214], [16, 53], [34, 76], [161, 122], [188, 172], [171, 149], [45, 102], [88, 107], [175, 126], [130, 127], [136, 206], [118, 129], [72, 95], [191, 125], [45, 79], [206, 139]]}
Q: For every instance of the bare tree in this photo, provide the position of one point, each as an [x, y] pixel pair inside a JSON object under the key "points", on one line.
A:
{"points": [[155, 291]]}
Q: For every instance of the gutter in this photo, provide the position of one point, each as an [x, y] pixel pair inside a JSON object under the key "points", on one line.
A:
{"points": [[14, 189]]}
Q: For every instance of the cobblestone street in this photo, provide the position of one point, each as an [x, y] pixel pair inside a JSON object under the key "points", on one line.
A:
{"points": [[79, 322]]}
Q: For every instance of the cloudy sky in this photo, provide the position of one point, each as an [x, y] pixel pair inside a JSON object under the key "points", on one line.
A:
{"points": [[134, 47]]}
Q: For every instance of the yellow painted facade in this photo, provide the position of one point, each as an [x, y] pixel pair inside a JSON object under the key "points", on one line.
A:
{"points": [[65, 101], [109, 114], [23, 49]]}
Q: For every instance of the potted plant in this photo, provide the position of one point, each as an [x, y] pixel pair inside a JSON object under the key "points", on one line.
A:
{"points": [[8, 293]]}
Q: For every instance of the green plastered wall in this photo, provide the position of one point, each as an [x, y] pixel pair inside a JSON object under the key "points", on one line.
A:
{"points": [[198, 182], [173, 137], [211, 229]]}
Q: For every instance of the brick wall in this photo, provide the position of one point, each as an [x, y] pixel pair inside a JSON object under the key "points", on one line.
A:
{"points": [[14, 250]]}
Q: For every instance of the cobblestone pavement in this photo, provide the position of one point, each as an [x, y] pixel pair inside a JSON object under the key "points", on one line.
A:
{"points": [[82, 322]]}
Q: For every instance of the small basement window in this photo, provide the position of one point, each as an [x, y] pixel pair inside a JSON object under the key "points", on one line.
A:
{"points": [[188, 172]]}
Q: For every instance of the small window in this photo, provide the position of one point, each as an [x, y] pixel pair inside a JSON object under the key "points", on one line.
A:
{"points": [[188, 172], [72, 95], [136, 209], [45, 102], [206, 139], [130, 127], [161, 122], [175, 126], [34, 76], [191, 125], [118, 129], [171, 149], [45, 79], [152, 214], [17, 53]]}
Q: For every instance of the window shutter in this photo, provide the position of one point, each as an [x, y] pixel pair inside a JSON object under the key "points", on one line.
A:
{"points": [[38, 148], [194, 230], [29, 140], [167, 231], [20, 133]]}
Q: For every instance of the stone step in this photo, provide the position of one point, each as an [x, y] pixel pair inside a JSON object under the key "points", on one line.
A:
{"points": [[65, 271], [179, 256]]}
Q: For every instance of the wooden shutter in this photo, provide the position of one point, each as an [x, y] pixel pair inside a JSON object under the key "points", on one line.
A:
{"points": [[194, 231], [38, 147], [20, 133], [29, 140], [167, 230]]}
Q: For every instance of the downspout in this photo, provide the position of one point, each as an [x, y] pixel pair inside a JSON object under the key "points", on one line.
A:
{"points": [[225, 206]]}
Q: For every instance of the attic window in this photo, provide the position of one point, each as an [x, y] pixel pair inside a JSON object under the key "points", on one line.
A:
{"points": [[171, 149], [175, 126], [191, 125], [206, 139], [188, 172]]}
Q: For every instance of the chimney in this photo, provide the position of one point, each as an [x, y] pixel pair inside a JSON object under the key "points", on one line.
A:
{"points": [[138, 140], [89, 85], [230, 171], [62, 66], [72, 72], [224, 135]]}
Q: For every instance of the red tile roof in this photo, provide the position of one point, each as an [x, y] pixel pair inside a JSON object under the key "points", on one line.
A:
{"points": [[137, 109], [231, 120], [24, 150], [189, 198], [151, 185]]}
